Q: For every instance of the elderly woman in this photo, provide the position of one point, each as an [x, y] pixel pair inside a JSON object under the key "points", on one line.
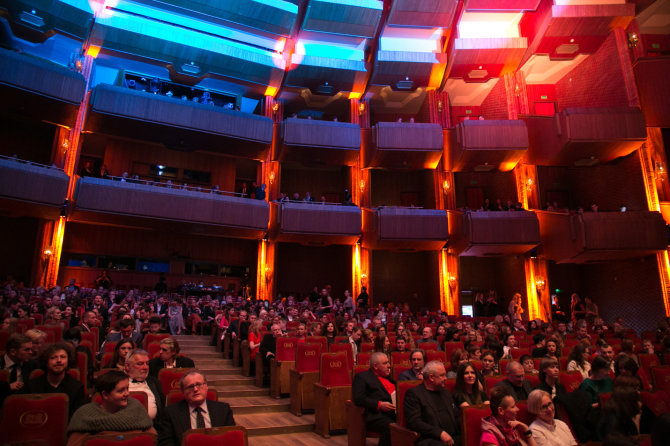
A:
{"points": [[547, 431], [502, 428], [117, 412]]}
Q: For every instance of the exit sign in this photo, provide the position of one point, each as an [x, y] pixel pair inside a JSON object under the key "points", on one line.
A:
{"points": [[543, 97], [468, 112], [655, 45]]}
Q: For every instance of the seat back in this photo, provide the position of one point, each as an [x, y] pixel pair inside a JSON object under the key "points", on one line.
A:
{"points": [[286, 348], [426, 346], [661, 377], [154, 349], [151, 338], [54, 332], [363, 358], [571, 380], [435, 355], [367, 347], [321, 340], [109, 347], [658, 402], [491, 381], [449, 347], [175, 396], [472, 423], [142, 397], [450, 384], [346, 348], [563, 363], [22, 325], [648, 361], [35, 417], [335, 370], [398, 369], [169, 379], [534, 380], [401, 389], [398, 358], [307, 357], [121, 439], [523, 415], [228, 435]]}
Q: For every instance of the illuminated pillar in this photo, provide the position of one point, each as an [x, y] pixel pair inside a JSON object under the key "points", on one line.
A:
{"points": [[449, 289], [360, 265], [525, 176], [265, 275]]}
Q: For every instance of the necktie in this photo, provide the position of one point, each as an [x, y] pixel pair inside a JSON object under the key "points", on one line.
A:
{"points": [[199, 419]]}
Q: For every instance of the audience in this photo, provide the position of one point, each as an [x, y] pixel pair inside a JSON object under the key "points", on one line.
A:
{"points": [[516, 382], [547, 430], [417, 359], [469, 389], [502, 428]]}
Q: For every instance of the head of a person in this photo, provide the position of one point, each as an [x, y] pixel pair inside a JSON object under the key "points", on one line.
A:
{"points": [[625, 401], [301, 331], [503, 404], [515, 373], [418, 360], [19, 348], [137, 365], [625, 366], [169, 349], [458, 357], [329, 329], [466, 378], [276, 330], [549, 368], [72, 335], [194, 387], [126, 327], [382, 343], [539, 339], [54, 358], [434, 375], [113, 389], [154, 324], [552, 347], [540, 404], [356, 334], [607, 352], [123, 347], [379, 364], [38, 338], [488, 360], [600, 367], [400, 344], [527, 363], [580, 353], [427, 333]]}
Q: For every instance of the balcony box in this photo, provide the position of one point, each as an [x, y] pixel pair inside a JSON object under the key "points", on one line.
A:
{"points": [[404, 145], [129, 203], [405, 229], [324, 142], [32, 189], [601, 236], [488, 234], [316, 224]]}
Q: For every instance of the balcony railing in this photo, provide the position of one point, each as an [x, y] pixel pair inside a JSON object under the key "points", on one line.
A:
{"points": [[404, 145], [326, 142], [316, 223], [403, 228]]}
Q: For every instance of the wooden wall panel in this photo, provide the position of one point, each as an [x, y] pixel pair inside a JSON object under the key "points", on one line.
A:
{"points": [[18, 238], [31, 141], [495, 185], [405, 277], [388, 187], [316, 181]]}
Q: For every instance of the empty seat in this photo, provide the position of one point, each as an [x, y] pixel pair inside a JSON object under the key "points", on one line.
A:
{"points": [[304, 376], [228, 435], [169, 379], [34, 418], [331, 393], [284, 360]]}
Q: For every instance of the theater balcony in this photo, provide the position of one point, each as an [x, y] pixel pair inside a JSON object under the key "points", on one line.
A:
{"points": [[31, 189], [404, 229], [411, 13], [178, 124], [584, 136], [151, 205], [323, 142], [315, 224], [489, 234], [601, 236], [401, 145], [651, 77], [38, 88], [485, 145]]}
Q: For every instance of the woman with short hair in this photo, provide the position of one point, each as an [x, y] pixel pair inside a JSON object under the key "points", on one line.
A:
{"points": [[547, 430]]}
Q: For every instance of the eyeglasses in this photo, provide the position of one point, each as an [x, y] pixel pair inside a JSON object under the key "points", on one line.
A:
{"points": [[195, 386], [547, 406]]}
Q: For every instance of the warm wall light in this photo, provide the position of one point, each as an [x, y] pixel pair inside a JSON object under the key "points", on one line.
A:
{"points": [[633, 40], [361, 108], [439, 105], [93, 51], [48, 252], [659, 170], [364, 279], [529, 184], [272, 177], [271, 91], [446, 186], [362, 185], [540, 283], [452, 282]]}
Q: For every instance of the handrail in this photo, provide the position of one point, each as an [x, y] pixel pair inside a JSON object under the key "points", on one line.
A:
{"points": [[171, 185], [30, 163], [308, 202], [397, 207]]}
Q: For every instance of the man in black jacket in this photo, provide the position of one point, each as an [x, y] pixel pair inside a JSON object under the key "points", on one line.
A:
{"points": [[374, 391], [430, 409], [516, 381], [137, 368], [268, 346], [169, 358], [17, 361], [193, 412]]}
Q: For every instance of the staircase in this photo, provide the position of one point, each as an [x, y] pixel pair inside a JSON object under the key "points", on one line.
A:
{"points": [[268, 420]]}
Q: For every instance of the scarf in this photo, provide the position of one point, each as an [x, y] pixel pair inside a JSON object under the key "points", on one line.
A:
{"points": [[92, 418], [506, 435]]}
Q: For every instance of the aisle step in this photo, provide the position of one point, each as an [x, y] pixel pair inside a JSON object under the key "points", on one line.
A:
{"points": [[258, 404], [304, 439], [275, 423], [239, 391]]}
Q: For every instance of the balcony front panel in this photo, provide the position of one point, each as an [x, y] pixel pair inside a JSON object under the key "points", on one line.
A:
{"points": [[358, 19], [601, 236], [404, 145], [29, 189], [585, 136], [323, 142], [489, 234], [45, 18], [405, 229], [178, 124], [651, 75], [316, 224], [130, 203], [485, 145], [39, 88], [430, 14]]}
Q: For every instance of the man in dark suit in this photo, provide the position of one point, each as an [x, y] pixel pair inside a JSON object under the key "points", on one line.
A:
{"points": [[430, 410], [137, 368], [374, 391], [516, 381], [193, 412], [418, 360], [17, 361], [169, 358], [268, 346]]}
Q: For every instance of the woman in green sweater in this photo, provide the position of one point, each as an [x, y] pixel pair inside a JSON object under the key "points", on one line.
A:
{"points": [[599, 380]]}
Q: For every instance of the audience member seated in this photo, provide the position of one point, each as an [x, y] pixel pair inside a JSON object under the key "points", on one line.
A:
{"points": [[373, 390], [268, 347], [458, 357], [430, 409], [37, 339], [549, 373], [418, 360], [17, 361], [169, 358], [528, 365], [137, 368], [502, 428], [578, 360], [193, 412], [126, 330], [54, 360], [427, 338], [121, 350], [547, 430], [469, 389], [118, 413], [73, 337], [599, 380], [489, 364], [516, 381], [623, 414]]}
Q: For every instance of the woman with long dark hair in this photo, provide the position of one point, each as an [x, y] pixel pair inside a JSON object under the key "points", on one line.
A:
{"points": [[469, 390]]}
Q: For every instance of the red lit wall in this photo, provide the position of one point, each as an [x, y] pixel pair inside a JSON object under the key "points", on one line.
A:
{"points": [[505, 275], [495, 104], [596, 82], [540, 93], [459, 112]]}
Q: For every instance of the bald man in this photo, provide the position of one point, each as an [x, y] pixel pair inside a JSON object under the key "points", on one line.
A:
{"points": [[516, 381]]}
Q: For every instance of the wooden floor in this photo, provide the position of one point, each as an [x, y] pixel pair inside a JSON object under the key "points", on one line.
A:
{"points": [[268, 420]]}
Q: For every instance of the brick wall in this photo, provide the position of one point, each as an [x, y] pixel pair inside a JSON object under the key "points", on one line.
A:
{"points": [[495, 104], [596, 82]]}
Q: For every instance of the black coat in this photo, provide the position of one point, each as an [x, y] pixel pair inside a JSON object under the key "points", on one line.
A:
{"points": [[69, 386], [423, 417], [176, 420], [367, 391], [181, 362]]}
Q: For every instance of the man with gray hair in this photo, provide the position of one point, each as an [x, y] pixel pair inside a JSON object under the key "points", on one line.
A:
{"points": [[516, 381], [430, 409], [374, 391], [195, 411], [137, 368]]}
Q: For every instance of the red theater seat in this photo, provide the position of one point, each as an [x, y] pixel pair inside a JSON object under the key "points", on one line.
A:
{"points": [[175, 396], [228, 436], [658, 402], [304, 376], [571, 380], [661, 377], [345, 348], [435, 355], [169, 379], [34, 418], [398, 358], [280, 379], [331, 394], [472, 423], [491, 381]]}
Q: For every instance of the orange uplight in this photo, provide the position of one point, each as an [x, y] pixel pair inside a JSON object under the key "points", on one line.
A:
{"points": [[448, 284], [93, 51], [53, 260], [271, 91], [355, 95]]}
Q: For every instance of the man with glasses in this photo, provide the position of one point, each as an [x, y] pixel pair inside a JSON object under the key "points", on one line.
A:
{"points": [[193, 412]]}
